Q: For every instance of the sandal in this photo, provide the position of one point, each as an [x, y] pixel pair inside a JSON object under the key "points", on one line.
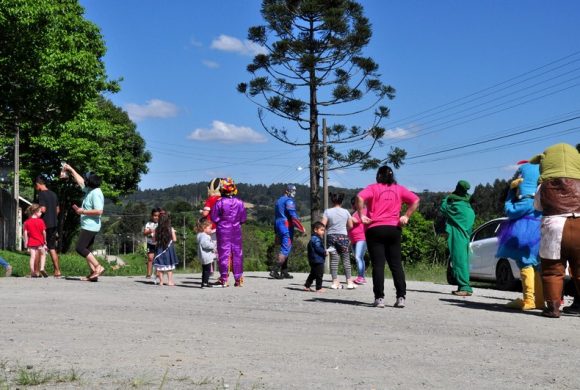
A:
{"points": [[57, 276], [88, 279], [98, 272], [44, 274]]}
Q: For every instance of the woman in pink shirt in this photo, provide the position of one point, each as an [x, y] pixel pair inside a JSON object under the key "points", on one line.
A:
{"points": [[384, 222]]}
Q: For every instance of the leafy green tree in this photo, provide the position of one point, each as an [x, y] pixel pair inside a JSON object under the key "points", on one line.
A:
{"points": [[313, 68], [488, 200], [178, 207], [50, 64], [101, 139], [51, 77]]}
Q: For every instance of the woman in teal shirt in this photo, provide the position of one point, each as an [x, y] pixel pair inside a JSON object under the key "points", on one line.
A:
{"points": [[90, 213]]}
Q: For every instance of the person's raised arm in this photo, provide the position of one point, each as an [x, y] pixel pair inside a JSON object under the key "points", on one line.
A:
{"points": [[78, 178]]}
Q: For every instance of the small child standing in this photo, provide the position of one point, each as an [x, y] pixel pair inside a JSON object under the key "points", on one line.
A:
{"points": [[316, 256], [149, 232], [165, 256], [34, 232], [229, 214], [206, 250]]}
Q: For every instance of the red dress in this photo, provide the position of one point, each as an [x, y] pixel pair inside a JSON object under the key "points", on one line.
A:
{"points": [[35, 228]]}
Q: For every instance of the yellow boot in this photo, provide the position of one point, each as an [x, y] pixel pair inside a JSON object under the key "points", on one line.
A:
{"points": [[528, 288], [539, 298], [527, 276]]}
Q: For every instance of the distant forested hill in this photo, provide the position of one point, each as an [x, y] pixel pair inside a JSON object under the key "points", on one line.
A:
{"points": [[261, 196], [487, 199]]}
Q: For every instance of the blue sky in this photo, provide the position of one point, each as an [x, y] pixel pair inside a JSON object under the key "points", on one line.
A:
{"points": [[465, 72]]}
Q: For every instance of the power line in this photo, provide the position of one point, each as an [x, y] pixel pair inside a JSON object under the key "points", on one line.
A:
{"points": [[421, 115], [504, 146], [494, 138]]}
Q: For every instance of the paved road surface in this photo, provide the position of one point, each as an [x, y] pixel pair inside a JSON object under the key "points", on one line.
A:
{"points": [[126, 333]]}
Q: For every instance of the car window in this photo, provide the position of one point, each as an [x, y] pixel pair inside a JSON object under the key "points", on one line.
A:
{"points": [[486, 231]]}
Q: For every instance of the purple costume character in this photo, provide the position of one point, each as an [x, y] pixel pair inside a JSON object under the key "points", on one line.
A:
{"points": [[229, 214]]}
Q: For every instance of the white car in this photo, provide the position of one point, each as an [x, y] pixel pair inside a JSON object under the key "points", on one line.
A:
{"points": [[484, 266]]}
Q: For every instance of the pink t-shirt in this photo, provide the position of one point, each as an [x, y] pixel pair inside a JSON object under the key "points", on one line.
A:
{"points": [[357, 233], [384, 203]]}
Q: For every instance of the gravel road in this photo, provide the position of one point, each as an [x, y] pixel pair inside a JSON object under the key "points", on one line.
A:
{"points": [[124, 332]]}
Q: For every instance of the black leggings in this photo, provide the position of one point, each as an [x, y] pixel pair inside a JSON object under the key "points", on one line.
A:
{"points": [[86, 240], [205, 272], [384, 244], [316, 273]]}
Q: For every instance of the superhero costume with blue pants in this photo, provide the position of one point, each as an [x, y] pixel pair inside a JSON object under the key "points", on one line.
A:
{"points": [[286, 220], [519, 236]]}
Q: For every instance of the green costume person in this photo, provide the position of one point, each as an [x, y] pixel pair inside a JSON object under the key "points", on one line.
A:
{"points": [[460, 218]]}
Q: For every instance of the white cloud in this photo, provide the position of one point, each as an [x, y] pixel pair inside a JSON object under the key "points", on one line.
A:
{"points": [[154, 108], [227, 133], [210, 64], [232, 44], [510, 168], [397, 133]]}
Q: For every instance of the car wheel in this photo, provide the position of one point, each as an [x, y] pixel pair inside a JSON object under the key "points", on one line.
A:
{"points": [[450, 278], [504, 278]]}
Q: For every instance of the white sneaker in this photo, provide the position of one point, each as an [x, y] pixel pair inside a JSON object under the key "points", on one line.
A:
{"points": [[379, 302], [351, 286], [336, 286], [400, 302]]}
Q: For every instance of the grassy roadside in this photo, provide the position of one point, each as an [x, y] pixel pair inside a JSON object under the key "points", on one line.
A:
{"points": [[73, 265]]}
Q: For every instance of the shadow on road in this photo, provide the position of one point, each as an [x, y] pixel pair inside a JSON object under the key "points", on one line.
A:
{"points": [[468, 304], [149, 282], [80, 279], [450, 295], [189, 285], [301, 289], [341, 301], [429, 292]]}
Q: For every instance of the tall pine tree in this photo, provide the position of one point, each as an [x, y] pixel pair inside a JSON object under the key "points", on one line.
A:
{"points": [[312, 68]]}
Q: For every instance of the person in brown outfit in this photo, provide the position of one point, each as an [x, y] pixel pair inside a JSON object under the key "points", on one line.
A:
{"points": [[558, 197]]}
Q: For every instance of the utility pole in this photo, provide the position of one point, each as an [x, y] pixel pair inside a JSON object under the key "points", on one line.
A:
{"points": [[324, 185], [184, 236], [18, 212]]}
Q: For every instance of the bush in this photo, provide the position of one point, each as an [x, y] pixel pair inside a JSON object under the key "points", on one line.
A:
{"points": [[420, 243]]}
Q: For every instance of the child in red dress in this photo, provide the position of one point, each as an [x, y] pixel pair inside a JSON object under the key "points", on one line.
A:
{"points": [[34, 232]]}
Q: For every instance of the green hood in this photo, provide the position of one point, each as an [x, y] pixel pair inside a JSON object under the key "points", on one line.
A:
{"points": [[558, 161]]}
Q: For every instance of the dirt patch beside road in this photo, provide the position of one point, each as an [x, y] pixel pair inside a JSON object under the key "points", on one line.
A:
{"points": [[123, 332]]}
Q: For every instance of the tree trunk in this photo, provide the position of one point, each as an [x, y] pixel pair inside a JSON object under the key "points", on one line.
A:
{"points": [[314, 147]]}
